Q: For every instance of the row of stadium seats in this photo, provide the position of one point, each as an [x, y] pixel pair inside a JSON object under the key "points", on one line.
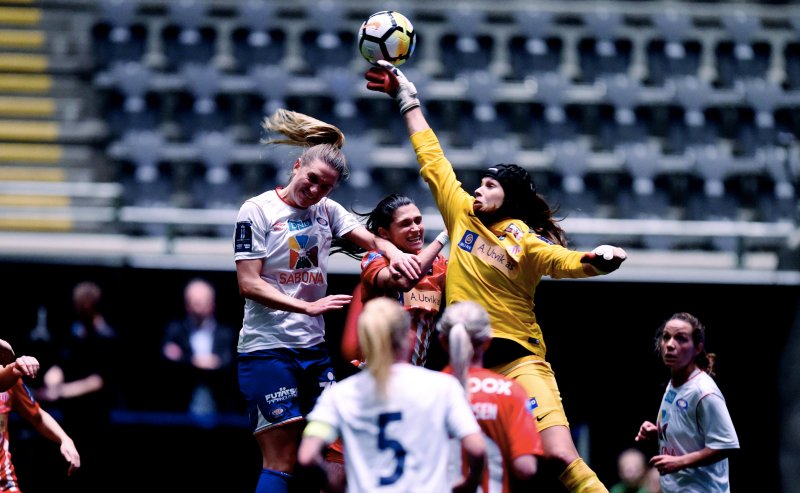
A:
{"points": [[646, 41], [544, 109]]}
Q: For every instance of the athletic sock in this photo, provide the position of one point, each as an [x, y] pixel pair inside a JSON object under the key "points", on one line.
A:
{"points": [[579, 478], [272, 481]]}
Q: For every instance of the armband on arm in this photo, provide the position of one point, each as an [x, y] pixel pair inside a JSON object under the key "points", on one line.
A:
{"points": [[321, 430], [443, 238]]}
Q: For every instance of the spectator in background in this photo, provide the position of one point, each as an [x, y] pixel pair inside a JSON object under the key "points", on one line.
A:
{"points": [[201, 351], [631, 468], [652, 481], [19, 398], [82, 384]]}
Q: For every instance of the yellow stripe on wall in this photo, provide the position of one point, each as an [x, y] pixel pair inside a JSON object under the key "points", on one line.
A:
{"points": [[35, 224], [20, 62], [20, 16], [28, 131], [21, 106], [31, 153], [34, 200], [20, 83], [13, 38], [18, 173]]}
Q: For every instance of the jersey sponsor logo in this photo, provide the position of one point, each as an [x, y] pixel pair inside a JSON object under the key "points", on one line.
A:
{"points": [[515, 250], [681, 403], [670, 396], [370, 257], [546, 240], [486, 411], [515, 231], [489, 385], [303, 252], [322, 221], [418, 298], [243, 238], [281, 395], [531, 404], [301, 277], [330, 380], [493, 255], [298, 224], [279, 226]]}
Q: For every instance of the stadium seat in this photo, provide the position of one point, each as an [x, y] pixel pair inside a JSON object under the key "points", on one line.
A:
{"points": [[463, 45], [556, 125], [202, 107], [188, 36], [571, 161], [341, 87], [744, 55], [623, 93], [257, 37], [693, 97], [602, 51], [146, 184], [117, 35], [216, 188], [791, 56], [675, 52], [130, 104], [713, 164], [780, 203], [328, 41], [480, 120], [537, 48]]}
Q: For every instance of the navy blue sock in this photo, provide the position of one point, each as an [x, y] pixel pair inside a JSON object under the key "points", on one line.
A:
{"points": [[272, 481]]}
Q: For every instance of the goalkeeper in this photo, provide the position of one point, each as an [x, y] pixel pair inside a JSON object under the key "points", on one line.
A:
{"points": [[504, 239]]}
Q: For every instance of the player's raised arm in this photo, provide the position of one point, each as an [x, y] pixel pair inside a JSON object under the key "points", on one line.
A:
{"points": [[389, 79]]}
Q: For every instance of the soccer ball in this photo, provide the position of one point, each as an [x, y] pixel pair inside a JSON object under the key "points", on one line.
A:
{"points": [[386, 35]]}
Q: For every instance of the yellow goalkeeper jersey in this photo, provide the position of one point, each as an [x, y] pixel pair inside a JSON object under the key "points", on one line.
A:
{"points": [[497, 266]]}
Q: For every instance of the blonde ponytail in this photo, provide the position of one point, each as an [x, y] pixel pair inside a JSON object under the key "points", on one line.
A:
{"points": [[466, 325], [383, 335]]}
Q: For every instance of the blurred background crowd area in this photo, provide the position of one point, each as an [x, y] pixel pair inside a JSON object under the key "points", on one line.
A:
{"points": [[129, 137]]}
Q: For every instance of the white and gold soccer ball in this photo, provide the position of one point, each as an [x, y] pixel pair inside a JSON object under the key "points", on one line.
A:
{"points": [[386, 35]]}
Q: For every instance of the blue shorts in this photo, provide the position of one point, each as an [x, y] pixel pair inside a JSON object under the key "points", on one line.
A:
{"points": [[282, 385]]}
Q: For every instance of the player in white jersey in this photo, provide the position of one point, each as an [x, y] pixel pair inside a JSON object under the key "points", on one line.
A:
{"points": [[694, 429], [281, 243], [395, 419]]}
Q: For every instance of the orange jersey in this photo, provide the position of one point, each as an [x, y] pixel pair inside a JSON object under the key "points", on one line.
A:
{"points": [[422, 302], [500, 406], [20, 400]]}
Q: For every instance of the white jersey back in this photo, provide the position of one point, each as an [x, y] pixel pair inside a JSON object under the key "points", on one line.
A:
{"points": [[295, 245], [694, 416], [400, 444]]}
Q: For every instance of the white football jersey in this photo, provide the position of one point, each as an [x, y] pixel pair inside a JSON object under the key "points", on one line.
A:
{"points": [[400, 444], [692, 417], [295, 245]]}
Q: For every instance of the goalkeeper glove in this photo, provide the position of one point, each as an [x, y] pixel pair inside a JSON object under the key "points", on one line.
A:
{"points": [[389, 79]]}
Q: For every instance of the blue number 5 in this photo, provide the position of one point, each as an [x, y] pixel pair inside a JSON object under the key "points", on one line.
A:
{"points": [[386, 443]]}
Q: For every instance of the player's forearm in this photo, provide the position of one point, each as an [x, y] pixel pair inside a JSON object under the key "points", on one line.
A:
{"points": [[49, 428]]}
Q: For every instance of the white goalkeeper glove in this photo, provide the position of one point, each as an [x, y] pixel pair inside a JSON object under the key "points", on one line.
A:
{"points": [[389, 79], [605, 258]]}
